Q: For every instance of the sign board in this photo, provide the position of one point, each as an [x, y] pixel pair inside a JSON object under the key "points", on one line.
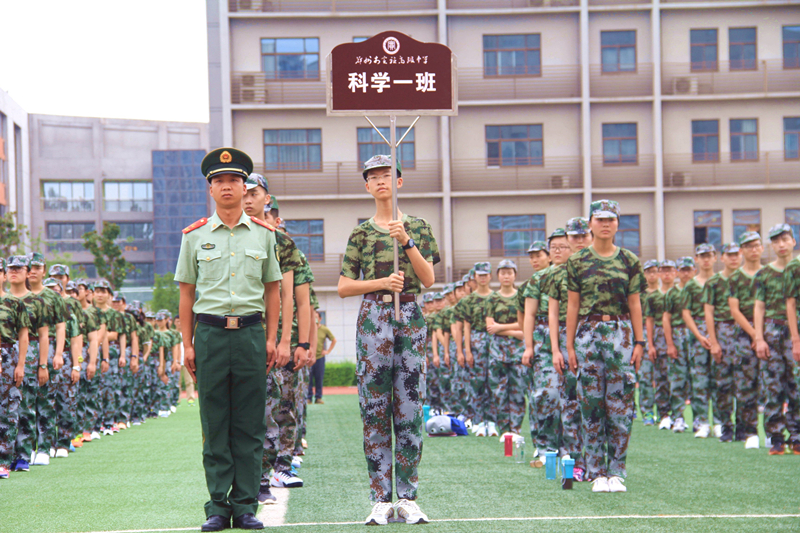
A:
{"points": [[392, 74]]}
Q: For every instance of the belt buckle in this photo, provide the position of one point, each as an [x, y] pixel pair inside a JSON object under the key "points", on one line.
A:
{"points": [[232, 322], [606, 318], [387, 298]]}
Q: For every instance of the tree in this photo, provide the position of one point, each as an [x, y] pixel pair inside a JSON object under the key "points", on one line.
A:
{"points": [[108, 255], [166, 294], [11, 234]]}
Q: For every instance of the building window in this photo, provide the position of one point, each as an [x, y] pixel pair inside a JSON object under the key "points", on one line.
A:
{"points": [[793, 219], [370, 144], [128, 196], [745, 220], [135, 236], [511, 235], [511, 146], [67, 236], [742, 48], [619, 144], [142, 276], [791, 137], [708, 228], [704, 49], [628, 235], [68, 196], [618, 51], [309, 236], [290, 59], [705, 140], [512, 55], [744, 139], [84, 270], [791, 47], [293, 150]]}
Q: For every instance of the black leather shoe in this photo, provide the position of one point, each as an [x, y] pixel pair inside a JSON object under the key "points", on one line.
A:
{"points": [[216, 523], [247, 521]]}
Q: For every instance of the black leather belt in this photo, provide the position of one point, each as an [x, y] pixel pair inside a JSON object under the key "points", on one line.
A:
{"points": [[229, 322], [542, 321], [775, 321], [388, 298], [605, 318]]}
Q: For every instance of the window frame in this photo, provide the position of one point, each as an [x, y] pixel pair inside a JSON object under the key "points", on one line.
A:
{"points": [[638, 231], [704, 68], [635, 70], [491, 163], [791, 132], [149, 282], [497, 51], [316, 258], [122, 241], [276, 74], [133, 201], [68, 201], [746, 226], [706, 136], [53, 242], [401, 129], [730, 140], [281, 164], [695, 225], [795, 227], [504, 252], [783, 48], [732, 43], [603, 140]]}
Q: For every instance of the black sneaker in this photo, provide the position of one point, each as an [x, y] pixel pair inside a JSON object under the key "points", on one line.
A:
{"points": [[727, 434], [265, 496], [740, 434], [778, 447]]}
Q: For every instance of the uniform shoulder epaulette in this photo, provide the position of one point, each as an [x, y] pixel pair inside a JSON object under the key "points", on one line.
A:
{"points": [[262, 223], [195, 225]]}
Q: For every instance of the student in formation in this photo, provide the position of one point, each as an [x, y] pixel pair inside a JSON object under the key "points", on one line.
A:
{"points": [[654, 306], [390, 350], [721, 335], [461, 374], [791, 280], [605, 343], [773, 346], [444, 336], [645, 375], [89, 404], [676, 335], [432, 378]]}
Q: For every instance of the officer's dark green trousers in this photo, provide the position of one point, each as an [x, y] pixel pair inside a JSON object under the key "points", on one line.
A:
{"points": [[231, 365]]}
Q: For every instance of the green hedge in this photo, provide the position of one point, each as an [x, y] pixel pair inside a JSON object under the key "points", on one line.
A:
{"points": [[340, 375]]}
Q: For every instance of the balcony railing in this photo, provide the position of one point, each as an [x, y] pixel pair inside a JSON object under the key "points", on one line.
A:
{"points": [[641, 174], [555, 173], [136, 245], [770, 168], [611, 84], [252, 88], [344, 177], [66, 245], [63, 205], [616, 2], [766, 76], [555, 81], [500, 4], [297, 6], [129, 206]]}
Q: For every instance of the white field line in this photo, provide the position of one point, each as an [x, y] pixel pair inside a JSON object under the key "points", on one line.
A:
{"points": [[504, 519], [274, 514]]}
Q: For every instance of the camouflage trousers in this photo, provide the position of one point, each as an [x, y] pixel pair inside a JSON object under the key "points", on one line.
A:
{"points": [[443, 374], [606, 391], [457, 385], [126, 386], [88, 397], [433, 393], [390, 370], [660, 375], [644, 380], [480, 396], [141, 383], [508, 381], [448, 380], [692, 371], [465, 402], [544, 399], [724, 374], [174, 388], [273, 434], [10, 397], [152, 392], [570, 407], [679, 373], [66, 403], [300, 404], [26, 432], [110, 390], [780, 385], [46, 398]]}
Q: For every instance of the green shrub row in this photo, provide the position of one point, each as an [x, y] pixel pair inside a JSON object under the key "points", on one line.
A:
{"points": [[340, 375]]}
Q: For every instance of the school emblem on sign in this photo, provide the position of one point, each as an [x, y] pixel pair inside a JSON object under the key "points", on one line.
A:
{"points": [[391, 45]]}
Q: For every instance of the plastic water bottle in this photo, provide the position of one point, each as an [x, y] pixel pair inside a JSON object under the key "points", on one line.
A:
{"points": [[519, 450], [550, 465], [567, 475], [426, 413]]}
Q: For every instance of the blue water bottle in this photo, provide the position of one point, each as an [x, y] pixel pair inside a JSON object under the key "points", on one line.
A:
{"points": [[426, 413], [550, 465], [567, 473]]}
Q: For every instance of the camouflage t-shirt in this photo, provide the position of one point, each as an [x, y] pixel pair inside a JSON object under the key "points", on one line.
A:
{"points": [[447, 317], [604, 283], [503, 309], [791, 281], [742, 288], [288, 253], [89, 324], [35, 306], [476, 311], [769, 289], [535, 291], [75, 320], [13, 317], [653, 306], [716, 293], [370, 252], [673, 304], [521, 295], [692, 299], [55, 310], [303, 274], [312, 294], [556, 288]]}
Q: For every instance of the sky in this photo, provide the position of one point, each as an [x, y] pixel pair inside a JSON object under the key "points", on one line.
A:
{"points": [[143, 59]]}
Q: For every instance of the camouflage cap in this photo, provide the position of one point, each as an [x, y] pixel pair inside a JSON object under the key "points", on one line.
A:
{"points": [[471, 273], [459, 284], [58, 270], [102, 284], [136, 304], [254, 180], [779, 229], [577, 226], [166, 312], [483, 267], [91, 286], [704, 248], [282, 225], [538, 246], [686, 262], [2, 264], [18, 261], [604, 209], [81, 281], [379, 161], [730, 248], [427, 297], [558, 232], [161, 316], [749, 236], [52, 282], [37, 258], [150, 314], [273, 203], [117, 298], [438, 296], [71, 286], [465, 278], [507, 263], [652, 263], [448, 289], [668, 263]]}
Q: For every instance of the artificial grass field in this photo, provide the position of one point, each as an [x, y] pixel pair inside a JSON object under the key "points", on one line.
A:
{"points": [[151, 478]]}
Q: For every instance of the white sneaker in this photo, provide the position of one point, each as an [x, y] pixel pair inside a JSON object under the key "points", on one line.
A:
{"points": [[481, 431], [492, 430], [477, 427], [40, 459], [616, 484], [52, 452], [702, 432], [380, 515], [173, 408], [297, 462], [752, 443], [108, 432], [136, 424], [679, 426], [718, 430], [600, 485], [666, 423], [62, 452], [95, 435], [410, 512], [768, 442], [285, 480]]}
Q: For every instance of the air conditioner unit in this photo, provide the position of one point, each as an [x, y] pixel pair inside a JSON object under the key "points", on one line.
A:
{"points": [[559, 182], [685, 85], [245, 5], [248, 80], [679, 179]]}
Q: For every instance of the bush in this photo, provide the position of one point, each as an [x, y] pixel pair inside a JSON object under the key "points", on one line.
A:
{"points": [[340, 375]]}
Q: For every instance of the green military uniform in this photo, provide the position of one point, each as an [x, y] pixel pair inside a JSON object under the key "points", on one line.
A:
{"points": [[229, 267], [13, 319]]}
